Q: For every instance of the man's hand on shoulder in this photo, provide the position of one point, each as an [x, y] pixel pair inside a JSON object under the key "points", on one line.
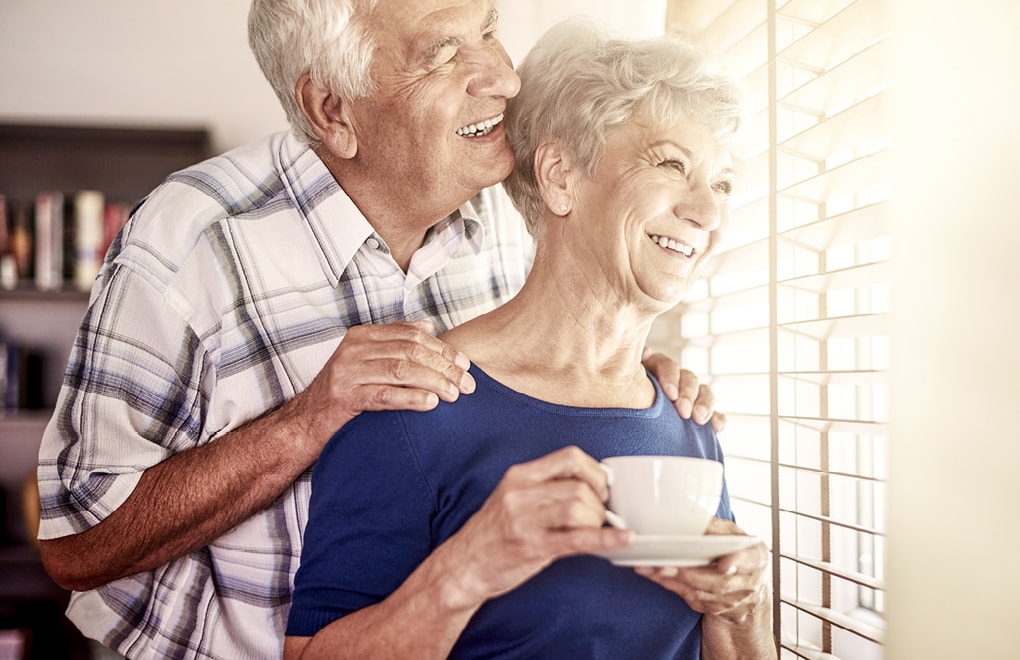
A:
{"points": [[692, 400]]}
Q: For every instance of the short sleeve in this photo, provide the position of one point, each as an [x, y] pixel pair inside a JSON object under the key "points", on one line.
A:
{"points": [[369, 522]]}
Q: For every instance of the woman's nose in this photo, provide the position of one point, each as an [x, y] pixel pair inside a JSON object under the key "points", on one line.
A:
{"points": [[701, 205]]}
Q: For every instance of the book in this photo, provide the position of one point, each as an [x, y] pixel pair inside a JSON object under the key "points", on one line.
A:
{"points": [[115, 216], [49, 240], [8, 267], [88, 237], [21, 241]]}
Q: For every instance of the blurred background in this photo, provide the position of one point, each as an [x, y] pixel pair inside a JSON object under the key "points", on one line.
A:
{"points": [[859, 326]]}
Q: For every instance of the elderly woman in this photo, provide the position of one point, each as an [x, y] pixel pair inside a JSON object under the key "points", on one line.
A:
{"points": [[473, 530]]}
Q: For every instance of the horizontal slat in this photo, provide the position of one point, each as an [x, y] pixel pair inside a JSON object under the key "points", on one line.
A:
{"points": [[748, 220], [861, 377], [809, 653], [827, 425], [746, 257], [812, 11], [848, 130], [839, 38], [854, 277], [855, 176], [860, 224], [841, 85], [832, 569], [753, 171], [749, 337], [832, 473], [692, 17], [860, 325], [746, 54], [733, 24], [736, 299], [841, 620], [835, 522]]}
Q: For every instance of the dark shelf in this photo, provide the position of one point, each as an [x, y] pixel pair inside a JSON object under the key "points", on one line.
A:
{"points": [[124, 163], [29, 292]]}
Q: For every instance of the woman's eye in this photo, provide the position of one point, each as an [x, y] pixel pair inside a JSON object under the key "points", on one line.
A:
{"points": [[677, 165], [724, 187]]}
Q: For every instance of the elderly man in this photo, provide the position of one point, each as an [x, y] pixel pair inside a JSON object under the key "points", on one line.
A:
{"points": [[209, 370]]}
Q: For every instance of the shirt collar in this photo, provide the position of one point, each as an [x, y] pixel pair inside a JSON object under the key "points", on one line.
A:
{"points": [[338, 227]]}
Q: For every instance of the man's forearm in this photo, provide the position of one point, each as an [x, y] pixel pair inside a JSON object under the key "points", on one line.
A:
{"points": [[186, 501]]}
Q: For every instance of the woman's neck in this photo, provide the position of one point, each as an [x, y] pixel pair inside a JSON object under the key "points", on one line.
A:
{"points": [[565, 339]]}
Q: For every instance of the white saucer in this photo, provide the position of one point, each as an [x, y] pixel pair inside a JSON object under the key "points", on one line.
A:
{"points": [[677, 550]]}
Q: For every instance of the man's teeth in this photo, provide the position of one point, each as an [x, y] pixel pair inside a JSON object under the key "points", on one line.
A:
{"points": [[665, 242], [481, 128]]}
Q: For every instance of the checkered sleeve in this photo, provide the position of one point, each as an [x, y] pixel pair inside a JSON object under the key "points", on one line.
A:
{"points": [[131, 397]]}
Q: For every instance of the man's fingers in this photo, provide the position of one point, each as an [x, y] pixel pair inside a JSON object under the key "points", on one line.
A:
{"points": [[667, 372], [404, 354], [718, 421], [704, 404]]}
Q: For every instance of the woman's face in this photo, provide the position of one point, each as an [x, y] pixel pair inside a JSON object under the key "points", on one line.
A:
{"points": [[652, 209]]}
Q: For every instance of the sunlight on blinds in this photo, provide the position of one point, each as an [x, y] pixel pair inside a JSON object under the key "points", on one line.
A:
{"points": [[788, 323]]}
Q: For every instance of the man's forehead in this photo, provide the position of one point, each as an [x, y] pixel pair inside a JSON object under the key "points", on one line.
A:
{"points": [[420, 19]]}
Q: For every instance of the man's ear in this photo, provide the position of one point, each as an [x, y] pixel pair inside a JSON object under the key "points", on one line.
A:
{"points": [[328, 116], [554, 175]]}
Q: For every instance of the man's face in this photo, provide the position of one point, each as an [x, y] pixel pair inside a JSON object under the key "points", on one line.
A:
{"points": [[432, 130]]}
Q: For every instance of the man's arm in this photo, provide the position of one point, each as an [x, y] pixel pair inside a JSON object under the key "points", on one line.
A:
{"points": [[193, 497]]}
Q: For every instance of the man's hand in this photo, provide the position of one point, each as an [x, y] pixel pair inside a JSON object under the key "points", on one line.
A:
{"points": [[399, 366], [682, 388], [197, 495]]}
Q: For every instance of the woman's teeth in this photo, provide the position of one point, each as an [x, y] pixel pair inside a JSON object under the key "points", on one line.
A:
{"points": [[481, 128], [669, 243]]}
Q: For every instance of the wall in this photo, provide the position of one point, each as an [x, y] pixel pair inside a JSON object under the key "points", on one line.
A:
{"points": [[954, 515], [187, 62]]}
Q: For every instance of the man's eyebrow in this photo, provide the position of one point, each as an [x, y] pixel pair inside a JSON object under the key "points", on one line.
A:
{"points": [[433, 50]]}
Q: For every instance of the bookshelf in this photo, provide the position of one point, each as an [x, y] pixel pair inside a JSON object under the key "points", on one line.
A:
{"points": [[124, 164]]}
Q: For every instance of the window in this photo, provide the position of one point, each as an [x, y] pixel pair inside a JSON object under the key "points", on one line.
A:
{"points": [[788, 322]]}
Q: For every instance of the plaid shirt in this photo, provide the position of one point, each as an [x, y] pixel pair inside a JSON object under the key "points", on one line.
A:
{"points": [[227, 292]]}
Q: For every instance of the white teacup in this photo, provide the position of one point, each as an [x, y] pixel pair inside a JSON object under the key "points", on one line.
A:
{"points": [[664, 495]]}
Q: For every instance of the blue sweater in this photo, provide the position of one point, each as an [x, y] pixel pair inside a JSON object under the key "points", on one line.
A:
{"points": [[391, 486]]}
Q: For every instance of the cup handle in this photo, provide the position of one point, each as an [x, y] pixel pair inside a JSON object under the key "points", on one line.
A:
{"points": [[614, 519]]}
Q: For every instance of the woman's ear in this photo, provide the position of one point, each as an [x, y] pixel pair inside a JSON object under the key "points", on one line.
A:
{"points": [[554, 175], [328, 116]]}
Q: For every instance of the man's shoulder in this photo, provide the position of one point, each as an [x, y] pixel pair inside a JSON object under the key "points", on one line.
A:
{"points": [[246, 182]]}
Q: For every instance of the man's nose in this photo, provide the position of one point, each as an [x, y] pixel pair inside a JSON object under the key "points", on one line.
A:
{"points": [[495, 76]]}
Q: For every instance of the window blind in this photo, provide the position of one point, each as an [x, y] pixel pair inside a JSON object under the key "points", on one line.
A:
{"points": [[788, 321]]}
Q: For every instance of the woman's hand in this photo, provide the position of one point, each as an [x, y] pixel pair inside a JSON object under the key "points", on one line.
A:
{"points": [[733, 594], [542, 510], [733, 587]]}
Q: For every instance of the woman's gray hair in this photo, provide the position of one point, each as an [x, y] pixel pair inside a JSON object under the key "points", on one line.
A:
{"points": [[325, 38], [577, 85]]}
